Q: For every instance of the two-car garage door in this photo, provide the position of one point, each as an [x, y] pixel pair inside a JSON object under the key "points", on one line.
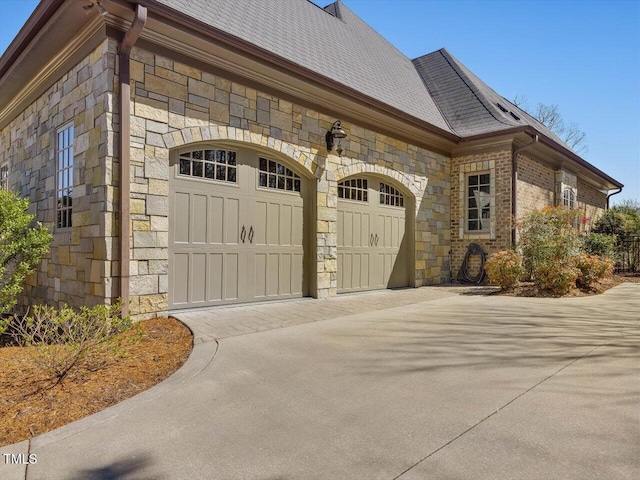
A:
{"points": [[237, 229]]}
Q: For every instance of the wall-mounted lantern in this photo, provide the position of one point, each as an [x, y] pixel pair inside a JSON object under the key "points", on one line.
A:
{"points": [[336, 133]]}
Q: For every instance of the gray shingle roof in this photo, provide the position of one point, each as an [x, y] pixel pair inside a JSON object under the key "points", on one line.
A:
{"points": [[469, 105], [333, 42]]}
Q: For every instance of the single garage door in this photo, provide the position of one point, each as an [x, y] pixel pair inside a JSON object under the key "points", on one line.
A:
{"points": [[236, 228], [372, 245]]}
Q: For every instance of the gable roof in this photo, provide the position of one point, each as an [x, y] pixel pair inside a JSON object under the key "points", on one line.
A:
{"points": [[468, 104], [333, 42]]}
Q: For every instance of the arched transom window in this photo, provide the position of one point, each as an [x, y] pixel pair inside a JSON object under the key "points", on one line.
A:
{"points": [[390, 196], [275, 175], [354, 189], [209, 164]]}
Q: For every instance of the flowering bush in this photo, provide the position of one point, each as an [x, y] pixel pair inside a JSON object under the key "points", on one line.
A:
{"points": [[559, 278], [592, 269], [504, 268]]}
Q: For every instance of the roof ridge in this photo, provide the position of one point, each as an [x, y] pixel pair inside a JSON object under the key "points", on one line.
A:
{"points": [[431, 93], [486, 103]]}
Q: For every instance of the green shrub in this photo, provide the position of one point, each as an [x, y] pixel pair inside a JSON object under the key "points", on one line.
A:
{"points": [[68, 338], [504, 268], [600, 244], [592, 269], [22, 246], [620, 220], [548, 240]]}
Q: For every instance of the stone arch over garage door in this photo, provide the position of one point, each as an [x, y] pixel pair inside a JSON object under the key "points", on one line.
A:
{"points": [[185, 136], [242, 240], [375, 239]]}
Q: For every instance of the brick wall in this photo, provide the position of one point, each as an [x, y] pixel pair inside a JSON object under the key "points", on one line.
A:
{"points": [[591, 202], [498, 164], [536, 185]]}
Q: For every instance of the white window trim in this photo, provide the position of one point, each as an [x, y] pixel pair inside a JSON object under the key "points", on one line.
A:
{"points": [[65, 170], [486, 225], [4, 182], [569, 202]]}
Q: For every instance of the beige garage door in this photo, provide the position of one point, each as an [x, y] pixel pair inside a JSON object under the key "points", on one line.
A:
{"points": [[236, 229], [372, 245]]}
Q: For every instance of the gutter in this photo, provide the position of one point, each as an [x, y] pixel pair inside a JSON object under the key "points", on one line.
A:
{"points": [[282, 64], [514, 183], [40, 16], [611, 195], [548, 142], [128, 41]]}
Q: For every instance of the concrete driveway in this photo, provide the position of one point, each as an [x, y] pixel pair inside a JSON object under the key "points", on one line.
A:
{"points": [[410, 384]]}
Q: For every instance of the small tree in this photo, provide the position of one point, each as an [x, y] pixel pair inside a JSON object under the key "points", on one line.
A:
{"points": [[22, 246], [620, 220]]}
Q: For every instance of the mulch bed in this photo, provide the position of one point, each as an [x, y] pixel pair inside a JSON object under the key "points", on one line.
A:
{"points": [[32, 404], [528, 289]]}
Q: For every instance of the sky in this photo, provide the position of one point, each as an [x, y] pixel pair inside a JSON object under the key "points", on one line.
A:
{"points": [[581, 55]]}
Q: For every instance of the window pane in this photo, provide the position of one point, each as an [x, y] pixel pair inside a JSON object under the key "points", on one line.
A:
{"points": [[231, 158], [340, 192], [473, 180], [209, 170], [280, 169], [485, 213], [210, 155], [222, 156], [272, 166], [484, 179], [473, 225], [231, 174], [281, 183], [272, 181], [221, 172], [197, 155], [197, 169], [289, 183], [296, 184], [263, 164], [262, 179], [185, 167], [473, 214], [365, 194], [472, 203], [484, 188]]}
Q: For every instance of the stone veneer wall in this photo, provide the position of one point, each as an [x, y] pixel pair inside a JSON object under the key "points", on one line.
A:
{"points": [[498, 164], [174, 104], [80, 267]]}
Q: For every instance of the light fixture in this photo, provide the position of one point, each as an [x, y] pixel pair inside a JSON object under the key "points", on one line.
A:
{"points": [[336, 133]]}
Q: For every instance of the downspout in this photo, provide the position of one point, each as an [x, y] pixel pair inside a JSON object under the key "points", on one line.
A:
{"points": [[611, 195], [514, 183], [128, 41]]}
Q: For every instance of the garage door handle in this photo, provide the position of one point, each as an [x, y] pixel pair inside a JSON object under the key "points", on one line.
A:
{"points": [[243, 234], [376, 239], [371, 240], [251, 234]]}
